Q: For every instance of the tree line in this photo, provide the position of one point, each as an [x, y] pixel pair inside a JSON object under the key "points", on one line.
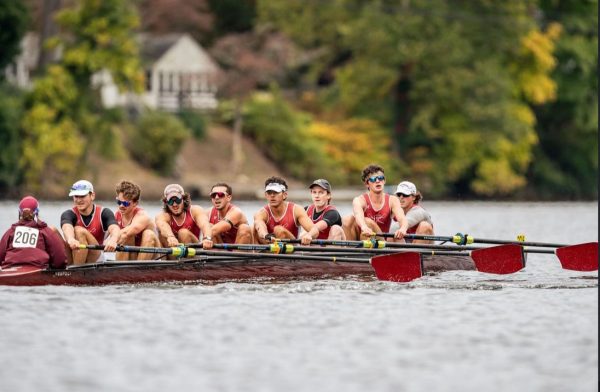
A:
{"points": [[485, 99]]}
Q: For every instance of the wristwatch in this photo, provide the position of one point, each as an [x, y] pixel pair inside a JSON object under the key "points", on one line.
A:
{"points": [[207, 238]]}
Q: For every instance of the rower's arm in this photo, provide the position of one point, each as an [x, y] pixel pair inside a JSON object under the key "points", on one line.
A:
{"points": [[303, 219], [358, 204], [318, 228], [163, 226], [67, 225], [110, 243], [398, 213], [139, 223], [307, 224], [232, 219], [201, 219], [260, 223]]}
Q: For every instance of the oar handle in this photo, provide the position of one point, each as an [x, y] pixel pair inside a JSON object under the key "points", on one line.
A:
{"points": [[275, 247], [177, 251]]}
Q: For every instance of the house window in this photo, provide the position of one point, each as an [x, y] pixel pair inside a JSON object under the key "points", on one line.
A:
{"points": [[161, 85], [148, 80]]}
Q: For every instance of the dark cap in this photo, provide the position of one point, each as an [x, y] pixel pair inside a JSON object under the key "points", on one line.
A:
{"points": [[323, 183]]}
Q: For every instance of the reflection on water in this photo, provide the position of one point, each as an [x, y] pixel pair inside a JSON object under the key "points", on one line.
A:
{"points": [[535, 330]]}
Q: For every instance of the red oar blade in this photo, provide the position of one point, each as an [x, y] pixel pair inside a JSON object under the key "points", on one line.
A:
{"points": [[503, 259], [581, 257], [398, 267]]}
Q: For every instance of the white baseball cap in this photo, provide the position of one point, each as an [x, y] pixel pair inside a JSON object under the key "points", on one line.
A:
{"points": [[173, 190], [81, 188], [407, 188], [276, 187]]}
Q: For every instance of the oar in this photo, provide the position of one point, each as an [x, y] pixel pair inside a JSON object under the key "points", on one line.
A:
{"points": [[464, 239], [177, 251], [285, 246], [407, 266], [378, 244], [580, 257]]}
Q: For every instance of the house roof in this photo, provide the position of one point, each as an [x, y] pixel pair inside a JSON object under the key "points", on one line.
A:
{"points": [[153, 47], [178, 52]]}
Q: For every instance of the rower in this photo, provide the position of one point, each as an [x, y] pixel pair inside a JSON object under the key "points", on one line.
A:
{"points": [[372, 212], [87, 224], [229, 225], [326, 218], [180, 222], [280, 218], [137, 228], [31, 241], [419, 219]]}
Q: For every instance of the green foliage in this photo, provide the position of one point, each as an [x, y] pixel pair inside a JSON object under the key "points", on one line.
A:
{"points": [[157, 140], [282, 133], [454, 80], [14, 20], [11, 111], [566, 162], [195, 122], [99, 37], [52, 145]]}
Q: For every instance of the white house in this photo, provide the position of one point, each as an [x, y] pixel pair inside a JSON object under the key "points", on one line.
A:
{"points": [[179, 74]]}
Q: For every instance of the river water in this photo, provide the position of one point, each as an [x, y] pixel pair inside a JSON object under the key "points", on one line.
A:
{"points": [[536, 330]]}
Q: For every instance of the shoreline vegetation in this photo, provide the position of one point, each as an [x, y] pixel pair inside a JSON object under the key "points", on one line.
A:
{"points": [[500, 104]]}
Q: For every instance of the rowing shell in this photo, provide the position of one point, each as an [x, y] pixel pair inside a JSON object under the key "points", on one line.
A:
{"points": [[207, 270]]}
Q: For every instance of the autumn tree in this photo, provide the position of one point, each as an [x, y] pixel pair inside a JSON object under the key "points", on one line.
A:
{"points": [[62, 120], [250, 60], [454, 81]]}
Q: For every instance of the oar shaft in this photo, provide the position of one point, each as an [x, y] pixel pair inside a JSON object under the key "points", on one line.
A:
{"points": [[179, 251], [462, 239]]}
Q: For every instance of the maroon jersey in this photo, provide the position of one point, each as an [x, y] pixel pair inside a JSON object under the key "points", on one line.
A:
{"points": [[95, 226], [382, 216], [323, 235], [229, 236], [287, 220], [119, 218], [188, 223]]}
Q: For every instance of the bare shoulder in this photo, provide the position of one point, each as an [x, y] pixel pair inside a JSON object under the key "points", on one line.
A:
{"points": [[359, 200], [163, 216], [261, 214]]}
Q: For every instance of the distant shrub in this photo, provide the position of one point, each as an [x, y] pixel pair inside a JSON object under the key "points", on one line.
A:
{"points": [[157, 140], [354, 143], [282, 133], [195, 122]]}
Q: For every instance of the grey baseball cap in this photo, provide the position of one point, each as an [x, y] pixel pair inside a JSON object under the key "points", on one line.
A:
{"points": [[323, 183]]}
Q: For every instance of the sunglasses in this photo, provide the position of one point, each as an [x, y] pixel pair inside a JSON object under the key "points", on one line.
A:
{"points": [[376, 178], [123, 203], [402, 195], [174, 200], [219, 194]]}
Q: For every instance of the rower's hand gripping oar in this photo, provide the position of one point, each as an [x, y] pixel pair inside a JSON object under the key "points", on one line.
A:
{"points": [[177, 251], [408, 266]]}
